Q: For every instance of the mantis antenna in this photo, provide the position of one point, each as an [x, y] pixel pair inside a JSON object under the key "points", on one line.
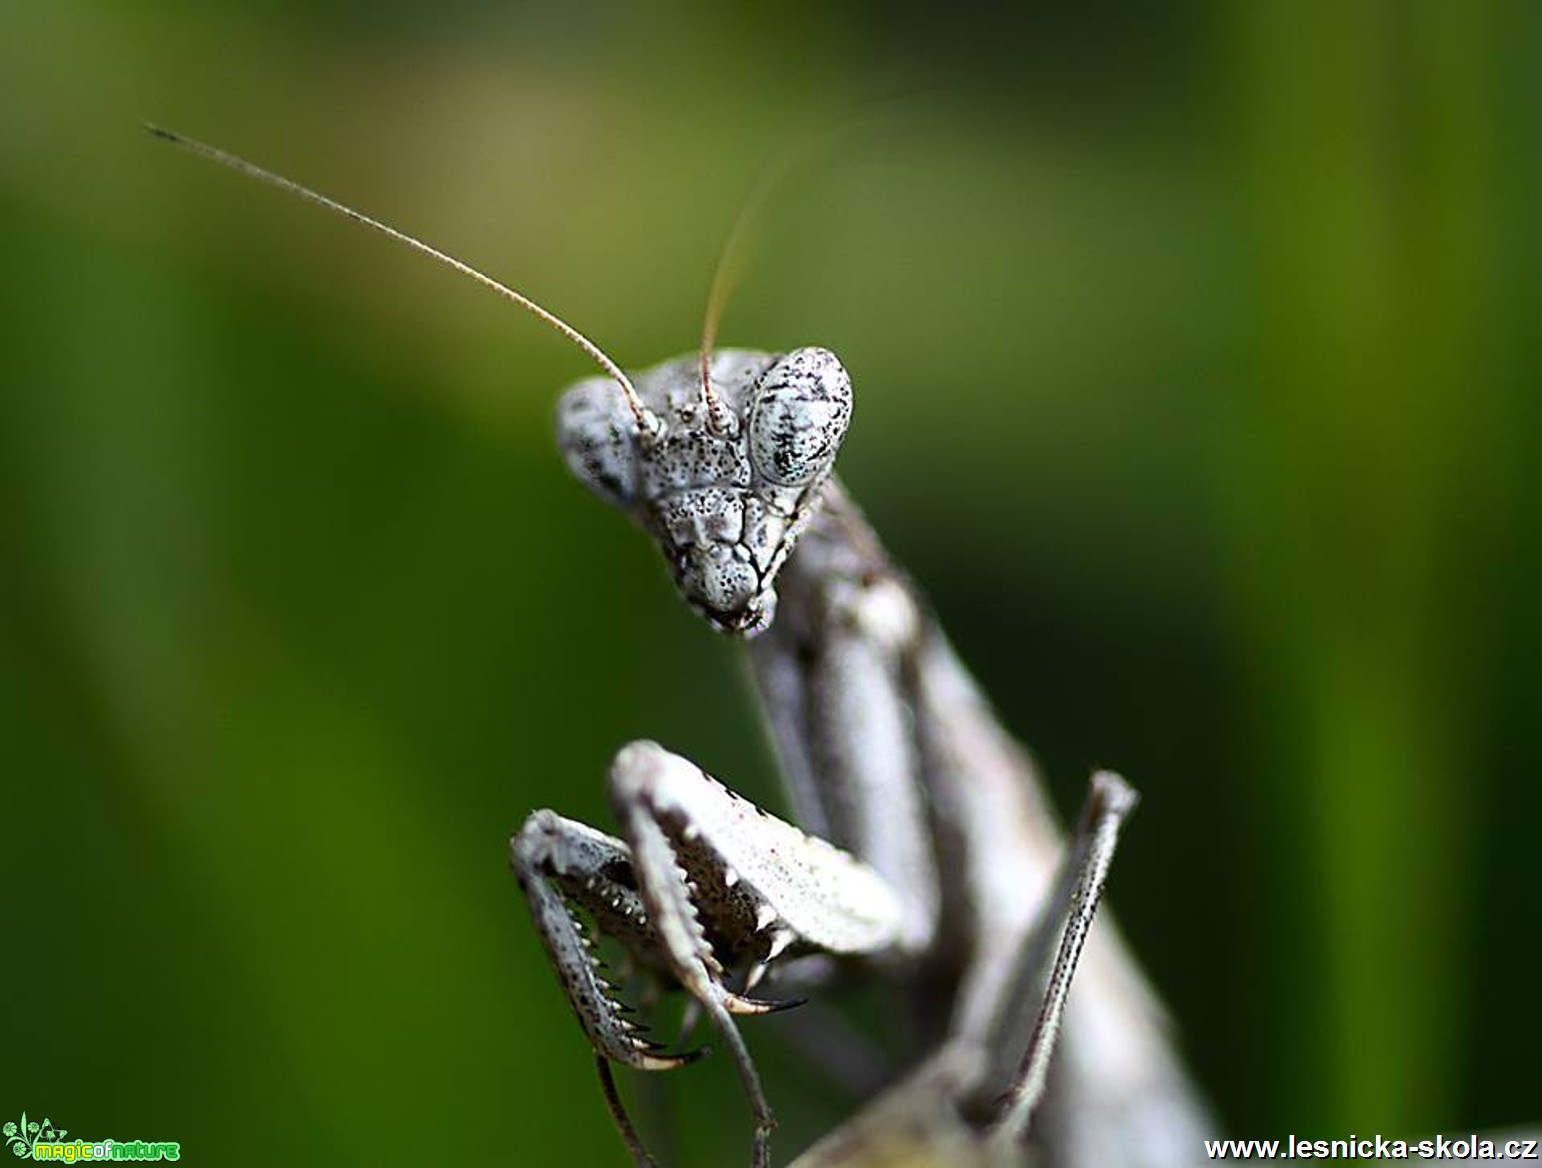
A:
{"points": [[773, 180], [729, 264], [646, 422]]}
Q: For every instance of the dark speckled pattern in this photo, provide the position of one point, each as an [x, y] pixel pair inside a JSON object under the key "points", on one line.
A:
{"points": [[726, 503]]}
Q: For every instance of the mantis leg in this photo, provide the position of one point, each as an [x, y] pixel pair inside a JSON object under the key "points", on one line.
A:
{"points": [[703, 885]]}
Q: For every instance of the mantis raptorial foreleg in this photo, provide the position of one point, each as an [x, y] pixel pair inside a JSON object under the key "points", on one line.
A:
{"points": [[561, 865], [704, 890]]}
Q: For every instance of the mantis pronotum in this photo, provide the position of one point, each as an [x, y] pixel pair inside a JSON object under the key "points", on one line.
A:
{"points": [[927, 854]]}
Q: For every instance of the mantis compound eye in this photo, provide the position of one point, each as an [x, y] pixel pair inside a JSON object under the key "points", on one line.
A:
{"points": [[799, 413], [598, 436]]}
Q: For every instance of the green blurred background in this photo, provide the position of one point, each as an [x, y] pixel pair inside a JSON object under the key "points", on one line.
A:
{"points": [[1196, 355]]}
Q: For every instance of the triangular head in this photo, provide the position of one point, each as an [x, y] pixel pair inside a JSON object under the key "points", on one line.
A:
{"points": [[724, 482]]}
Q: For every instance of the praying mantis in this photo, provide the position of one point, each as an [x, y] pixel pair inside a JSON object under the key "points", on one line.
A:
{"points": [[924, 854]]}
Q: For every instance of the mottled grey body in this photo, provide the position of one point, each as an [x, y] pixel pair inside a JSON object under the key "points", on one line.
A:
{"points": [[932, 854]]}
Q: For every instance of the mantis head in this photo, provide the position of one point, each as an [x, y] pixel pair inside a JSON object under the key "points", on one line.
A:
{"points": [[724, 471]]}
